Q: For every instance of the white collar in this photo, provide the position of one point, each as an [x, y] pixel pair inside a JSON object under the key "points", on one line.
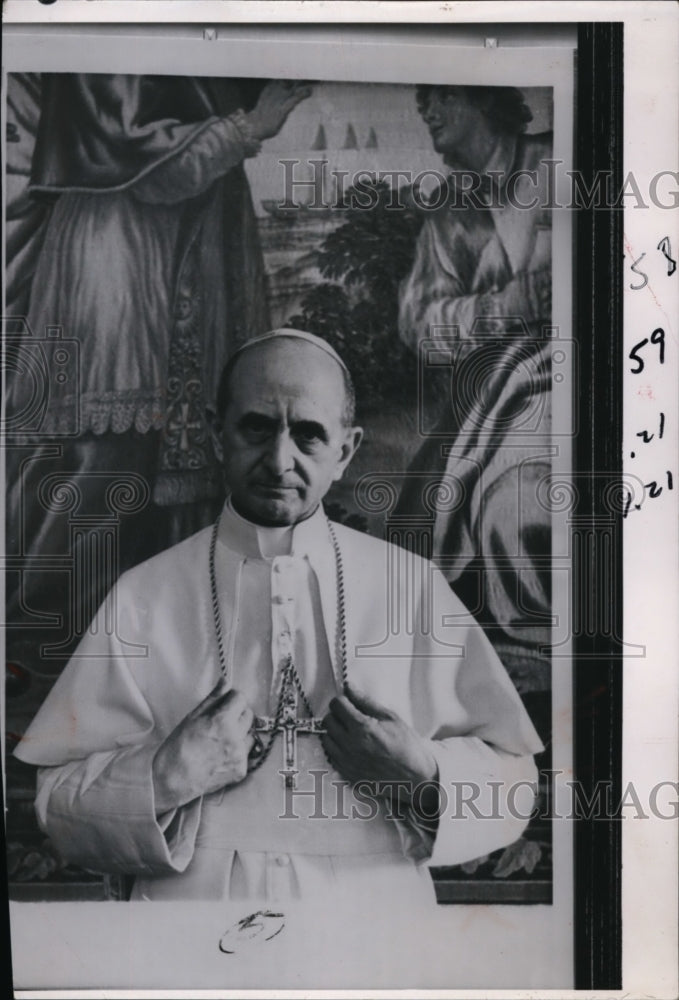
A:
{"points": [[256, 541]]}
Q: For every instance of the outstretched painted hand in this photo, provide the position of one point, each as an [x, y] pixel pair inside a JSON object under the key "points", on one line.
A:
{"points": [[276, 101]]}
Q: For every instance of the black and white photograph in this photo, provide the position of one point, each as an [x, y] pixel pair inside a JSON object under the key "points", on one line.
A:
{"points": [[294, 367]]}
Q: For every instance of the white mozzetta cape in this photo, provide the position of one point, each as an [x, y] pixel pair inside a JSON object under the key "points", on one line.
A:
{"points": [[150, 656]]}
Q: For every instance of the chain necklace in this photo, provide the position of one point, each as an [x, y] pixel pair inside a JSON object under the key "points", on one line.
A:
{"points": [[290, 679]]}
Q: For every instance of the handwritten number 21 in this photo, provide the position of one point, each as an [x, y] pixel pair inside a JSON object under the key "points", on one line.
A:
{"points": [[658, 338]]}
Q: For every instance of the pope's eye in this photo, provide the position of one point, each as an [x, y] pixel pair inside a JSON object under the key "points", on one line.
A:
{"points": [[255, 426], [309, 435], [307, 443]]}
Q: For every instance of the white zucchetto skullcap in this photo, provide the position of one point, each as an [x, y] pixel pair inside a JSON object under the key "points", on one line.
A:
{"points": [[289, 333]]}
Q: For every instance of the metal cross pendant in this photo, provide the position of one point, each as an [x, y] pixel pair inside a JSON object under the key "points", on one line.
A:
{"points": [[289, 725]]}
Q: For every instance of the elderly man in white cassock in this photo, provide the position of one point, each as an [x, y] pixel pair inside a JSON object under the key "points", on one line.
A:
{"points": [[280, 705]]}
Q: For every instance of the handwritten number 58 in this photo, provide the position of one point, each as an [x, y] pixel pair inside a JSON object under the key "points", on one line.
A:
{"points": [[657, 338]]}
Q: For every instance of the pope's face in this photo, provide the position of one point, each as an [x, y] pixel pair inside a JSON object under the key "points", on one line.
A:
{"points": [[284, 438], [452, 119]]}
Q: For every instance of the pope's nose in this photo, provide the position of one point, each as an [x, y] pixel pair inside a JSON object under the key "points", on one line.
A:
{"points": [[280, 455]]}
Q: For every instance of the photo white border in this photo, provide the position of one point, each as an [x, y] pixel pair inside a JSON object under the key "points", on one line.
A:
{"points": [[541, 932]]}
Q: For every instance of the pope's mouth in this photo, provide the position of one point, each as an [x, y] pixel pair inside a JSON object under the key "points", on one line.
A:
{"points": [[270, 490]]}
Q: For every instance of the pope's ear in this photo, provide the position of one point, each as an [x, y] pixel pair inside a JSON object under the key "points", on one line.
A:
{"points": [[352, 440], [214, 426]]}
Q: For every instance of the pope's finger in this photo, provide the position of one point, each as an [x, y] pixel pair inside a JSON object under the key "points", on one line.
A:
{"points": [[216, 694], [334, 729], [231, 704], [332, 751], [346, 714], [237, 713], [365, 704], [220, 688], [245, 719]]}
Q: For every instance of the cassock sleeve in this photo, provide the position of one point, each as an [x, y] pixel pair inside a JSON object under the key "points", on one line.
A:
{"points": [[481, 737], [94, 740]]}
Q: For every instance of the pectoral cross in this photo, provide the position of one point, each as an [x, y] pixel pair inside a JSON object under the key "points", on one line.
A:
{"points": [[286, 722]]}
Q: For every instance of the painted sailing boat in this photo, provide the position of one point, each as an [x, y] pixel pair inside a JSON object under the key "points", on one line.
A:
{"points": [[320, 142], [327, 193], [350, 140]]}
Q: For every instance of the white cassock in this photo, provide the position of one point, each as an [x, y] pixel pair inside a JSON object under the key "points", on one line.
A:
{"points": [[150, 656]]}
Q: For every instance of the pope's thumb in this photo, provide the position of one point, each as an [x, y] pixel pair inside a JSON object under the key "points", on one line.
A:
{"points": [[364, 703], [215, 697]]}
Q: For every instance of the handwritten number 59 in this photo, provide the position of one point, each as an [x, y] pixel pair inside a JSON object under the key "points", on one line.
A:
{"points": [[657, 338]]}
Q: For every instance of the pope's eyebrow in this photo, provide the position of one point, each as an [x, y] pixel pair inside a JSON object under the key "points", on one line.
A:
{"points": [[310, 429], [254, 419]]}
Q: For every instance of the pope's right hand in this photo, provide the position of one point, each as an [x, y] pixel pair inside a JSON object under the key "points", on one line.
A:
{"points": [[207, 751]]}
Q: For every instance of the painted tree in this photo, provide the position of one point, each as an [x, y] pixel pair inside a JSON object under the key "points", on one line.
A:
{"points": [[356, 307]]}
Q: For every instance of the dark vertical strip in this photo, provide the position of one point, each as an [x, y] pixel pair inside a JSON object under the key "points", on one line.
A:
{"points": [[598, 450], [6, 976]]}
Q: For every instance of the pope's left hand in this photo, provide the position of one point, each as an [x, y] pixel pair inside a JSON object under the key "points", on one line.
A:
{"points": [[367, 742]]}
